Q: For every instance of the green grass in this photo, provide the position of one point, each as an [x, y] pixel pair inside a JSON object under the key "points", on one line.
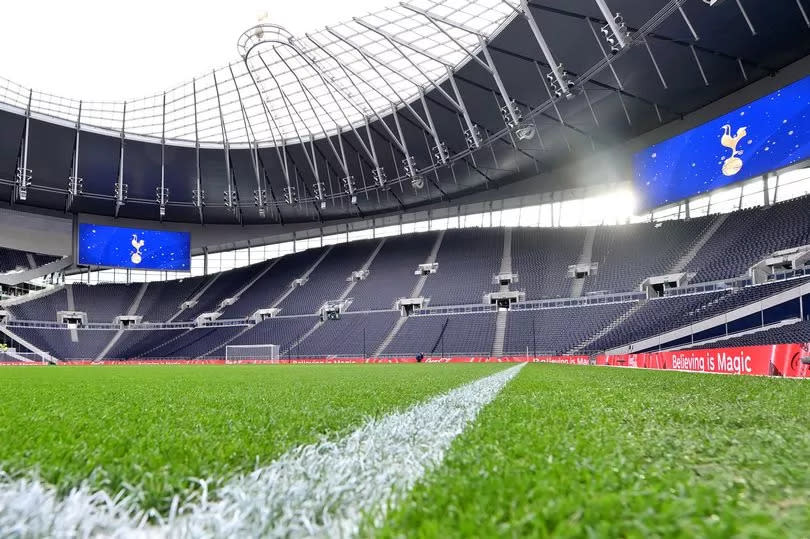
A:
{"points": [[585, 452], [154, 427]]}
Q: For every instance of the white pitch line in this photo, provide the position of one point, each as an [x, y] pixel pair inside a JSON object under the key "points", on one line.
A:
{"points": [[327, 489]]}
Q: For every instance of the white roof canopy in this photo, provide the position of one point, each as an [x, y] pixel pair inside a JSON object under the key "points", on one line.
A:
{"points": [[298, 88]]}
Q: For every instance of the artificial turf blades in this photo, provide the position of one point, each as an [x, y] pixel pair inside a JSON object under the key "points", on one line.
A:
{"points": [[596, 452], [155, 427]]}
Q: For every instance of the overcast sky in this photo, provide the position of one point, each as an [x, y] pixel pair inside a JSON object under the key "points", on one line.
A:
{"points": [[116, 50]]}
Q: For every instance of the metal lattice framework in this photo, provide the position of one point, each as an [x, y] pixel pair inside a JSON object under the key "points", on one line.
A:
{"points": [[290, 89], [416, 103]]}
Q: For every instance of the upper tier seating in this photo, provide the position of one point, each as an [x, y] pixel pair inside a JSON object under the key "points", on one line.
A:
{"points": [[628, 254], [272, 284], [162, 300], [391, 275], [747, 236], [42, 309], [14, 260], [468, 258], [103, 302], [224, 287], [541, 258], [328, 280]]}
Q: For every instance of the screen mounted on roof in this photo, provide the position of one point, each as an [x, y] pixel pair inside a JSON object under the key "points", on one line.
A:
{"points": [[767, 134], [134, 248]]}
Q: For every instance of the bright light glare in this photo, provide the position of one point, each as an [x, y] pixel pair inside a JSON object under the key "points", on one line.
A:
{"points": [[111, 51]]}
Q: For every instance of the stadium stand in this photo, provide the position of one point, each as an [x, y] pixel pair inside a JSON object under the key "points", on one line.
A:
{"points": [[749, 235], [663, 314], [711, 247], [226, 286], [14, 260], [629, 254], [391, 275], [461, 334], [133, 342], [556, 331], [116, 300], [192, 343], [272, 284], [329, 278], [59, 342], [798, 332], [42, 308], [284, 332], [351, 335], [468, 258], [541, 258]]}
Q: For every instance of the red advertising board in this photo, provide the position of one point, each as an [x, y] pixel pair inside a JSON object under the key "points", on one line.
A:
{"points": [[767, 360], [785, 360]]}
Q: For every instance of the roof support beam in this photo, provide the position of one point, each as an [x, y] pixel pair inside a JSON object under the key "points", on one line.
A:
{"points": [[508, 103], [745, 16], [347, 72], [604, 54], [230, 196], [556, 68], [260, 193], [74, 181], [313, 165], [120, 187], [23, 179], [434, 20], [699, 65], [280, 146], [445, 20], [393, 40], [655, 64], [611, 21], [803, 12], [332, 88], [198, 194], [341, 157], [162, 192], [653, 35], [689, 23], [428, 125]]}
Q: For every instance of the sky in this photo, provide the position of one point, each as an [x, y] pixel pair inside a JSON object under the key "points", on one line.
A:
{"points": [[112, 50]]}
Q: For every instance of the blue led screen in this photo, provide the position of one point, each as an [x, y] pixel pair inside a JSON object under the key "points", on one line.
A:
{"points": [[134, 248], [767, 134]]}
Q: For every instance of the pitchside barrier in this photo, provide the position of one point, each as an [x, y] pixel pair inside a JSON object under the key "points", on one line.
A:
{"points": [[781, 360]]}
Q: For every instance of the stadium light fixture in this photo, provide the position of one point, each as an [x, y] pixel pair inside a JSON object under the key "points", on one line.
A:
{"points": [[162, 198], [615, 30]]}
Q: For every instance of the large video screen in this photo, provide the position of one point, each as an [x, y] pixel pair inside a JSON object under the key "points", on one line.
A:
{"points": [[767, 134], [135, 248]]}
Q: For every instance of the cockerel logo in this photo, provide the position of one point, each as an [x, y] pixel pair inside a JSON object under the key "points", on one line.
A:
{"points": [[137, 244], [733, 164]]}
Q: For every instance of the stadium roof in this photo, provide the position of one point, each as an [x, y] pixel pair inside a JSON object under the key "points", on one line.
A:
{"points": [[422, 102], [282, 88]]}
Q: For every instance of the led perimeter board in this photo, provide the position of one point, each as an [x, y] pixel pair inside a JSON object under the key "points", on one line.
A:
{"points": [[134, 248], [767, 134]]}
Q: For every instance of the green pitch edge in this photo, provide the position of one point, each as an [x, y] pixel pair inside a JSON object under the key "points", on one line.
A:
{"points": [[584, 452], [155, 427]]}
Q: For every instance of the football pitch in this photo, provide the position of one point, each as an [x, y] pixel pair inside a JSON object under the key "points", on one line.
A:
{"points": [[431, 450]]}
